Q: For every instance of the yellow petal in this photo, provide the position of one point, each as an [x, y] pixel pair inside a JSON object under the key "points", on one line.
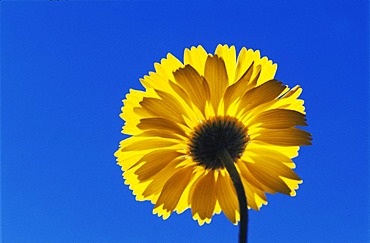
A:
{"points": [[238, 89], [167, 66], [269, 172], [161, 124], [169, 109], [275, 166], [198, 171], [261, 94], [284, 137], [227, 198], [127, 159], [171, 194], [247, 175], [203, 198], [289, 151], [154, 162], [274, 183], [229, 57], [138, 143], [293, 185], [196, 57], [268, 70], [181, 93], [245, 60], [160, 79], [132, 119], [194, 85], [184, 111], [157, 182], [265, 70], [290, 101], [280, 118], [268, 151], [161, 134], [154, 81], [250, 195], [216, 76], [260, 198]]}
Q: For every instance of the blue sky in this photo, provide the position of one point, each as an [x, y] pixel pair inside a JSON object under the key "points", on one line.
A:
{"points": [[66, 66]]}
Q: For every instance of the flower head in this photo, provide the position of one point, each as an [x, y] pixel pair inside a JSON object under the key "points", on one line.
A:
{"points": [[189, 111]]}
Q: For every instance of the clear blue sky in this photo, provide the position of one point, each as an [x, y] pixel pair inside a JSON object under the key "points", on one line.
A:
{"points": [[66, 66]]}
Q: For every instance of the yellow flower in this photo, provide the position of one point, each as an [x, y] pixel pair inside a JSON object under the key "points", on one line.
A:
{"points": [[191, 110]]}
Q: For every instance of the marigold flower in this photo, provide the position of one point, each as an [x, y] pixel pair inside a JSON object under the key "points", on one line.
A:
{"points": [[189, 111]]}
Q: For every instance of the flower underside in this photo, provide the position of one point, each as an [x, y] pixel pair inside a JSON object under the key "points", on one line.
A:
{"points": [[193, 109], [214, 135]]}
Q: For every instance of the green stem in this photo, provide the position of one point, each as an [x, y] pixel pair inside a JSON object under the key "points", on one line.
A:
{"points": [[228, 162]]}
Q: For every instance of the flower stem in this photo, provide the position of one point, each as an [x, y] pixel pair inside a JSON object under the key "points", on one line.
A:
{"points": [[228, 162]]}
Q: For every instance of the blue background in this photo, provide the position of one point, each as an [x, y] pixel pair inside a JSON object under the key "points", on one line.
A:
{"points": [[66, 66]]}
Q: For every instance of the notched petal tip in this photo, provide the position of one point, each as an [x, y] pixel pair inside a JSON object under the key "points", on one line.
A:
{"points": [[200, 220]]}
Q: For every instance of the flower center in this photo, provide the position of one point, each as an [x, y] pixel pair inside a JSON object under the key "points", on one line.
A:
{"points": [[214, 135]]}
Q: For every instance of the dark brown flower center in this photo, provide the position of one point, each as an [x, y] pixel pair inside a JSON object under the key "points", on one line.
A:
{"points": [[214, 135]]}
